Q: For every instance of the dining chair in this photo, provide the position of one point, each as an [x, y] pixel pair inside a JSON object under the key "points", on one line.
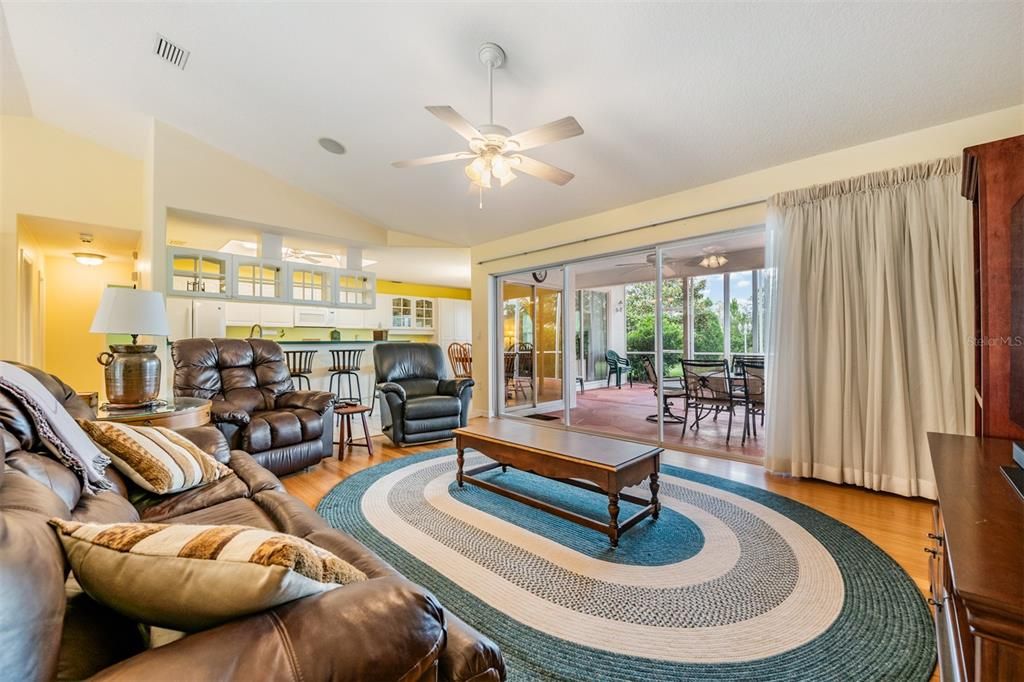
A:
{"points": [[753, 397], [709, 391], [668, 394], [460, 355]]}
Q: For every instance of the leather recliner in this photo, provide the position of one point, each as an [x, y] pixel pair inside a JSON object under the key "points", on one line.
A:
{"points": [[418, 404], [255, 404], [386, 628]]}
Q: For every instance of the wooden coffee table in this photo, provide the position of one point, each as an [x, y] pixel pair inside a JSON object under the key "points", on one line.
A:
{"points": [[602, 465]]}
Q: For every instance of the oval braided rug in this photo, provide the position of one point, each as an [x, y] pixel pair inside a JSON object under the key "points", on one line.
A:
{"points": [[732, 582]]}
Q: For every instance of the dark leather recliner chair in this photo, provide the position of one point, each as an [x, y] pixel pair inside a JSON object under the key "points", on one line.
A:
{"points": [[255, 404], [418, 404]]}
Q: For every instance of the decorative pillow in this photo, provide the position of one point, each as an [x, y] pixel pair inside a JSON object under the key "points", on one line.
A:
{"points": [[157, 459], [194, 577]]}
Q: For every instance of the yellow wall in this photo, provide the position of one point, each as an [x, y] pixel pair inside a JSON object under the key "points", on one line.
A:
{"points": [[48, 172], [921, 145], [72, 295], [423, 290]]}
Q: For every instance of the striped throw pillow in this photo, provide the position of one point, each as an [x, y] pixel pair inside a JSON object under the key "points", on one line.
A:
{"points": [[194, 577], [157, 459]]}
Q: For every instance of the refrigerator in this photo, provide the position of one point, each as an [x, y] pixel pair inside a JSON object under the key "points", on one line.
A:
{"points": [[189, 318]]}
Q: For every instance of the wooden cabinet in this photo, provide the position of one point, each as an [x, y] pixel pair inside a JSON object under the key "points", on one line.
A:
{"points": [[198, 273], [412, 314], [993, 179], [976, 561]]}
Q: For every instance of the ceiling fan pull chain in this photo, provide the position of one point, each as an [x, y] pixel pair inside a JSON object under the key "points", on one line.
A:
{"points": [[480, 189]]}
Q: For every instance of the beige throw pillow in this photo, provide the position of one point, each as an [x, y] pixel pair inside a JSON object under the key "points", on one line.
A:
{"points": [[194, 577], [157, 459]]}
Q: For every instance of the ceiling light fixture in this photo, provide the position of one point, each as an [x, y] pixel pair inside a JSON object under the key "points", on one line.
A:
{"points": [[86, 258], [714, 260], [494, 152], [332, 145]]}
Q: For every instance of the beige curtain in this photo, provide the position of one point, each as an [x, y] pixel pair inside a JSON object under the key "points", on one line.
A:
{"points": [[871, 315]]}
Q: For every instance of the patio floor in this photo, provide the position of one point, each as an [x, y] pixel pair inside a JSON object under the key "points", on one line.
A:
{"points": [[623, 412]]}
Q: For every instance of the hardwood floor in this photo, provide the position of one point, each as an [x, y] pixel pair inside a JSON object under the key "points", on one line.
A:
{"points": [[898, 525]]}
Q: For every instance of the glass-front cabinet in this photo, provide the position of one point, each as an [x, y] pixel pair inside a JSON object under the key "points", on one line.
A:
{"points": [[424, 313], [308, 284], [355, 289], [401, 312], [259, 279], [198, 273]]}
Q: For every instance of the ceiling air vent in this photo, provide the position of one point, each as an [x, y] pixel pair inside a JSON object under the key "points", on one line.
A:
{"points": [[170, 52]]}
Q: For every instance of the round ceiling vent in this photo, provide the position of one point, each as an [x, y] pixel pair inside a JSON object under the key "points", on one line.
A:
{"points": [[332, 145]]}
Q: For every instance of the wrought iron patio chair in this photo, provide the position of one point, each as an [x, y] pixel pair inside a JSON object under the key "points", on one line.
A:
{"points": [[709, 391]]}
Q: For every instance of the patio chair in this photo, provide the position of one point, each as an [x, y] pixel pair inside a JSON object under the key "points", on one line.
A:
{"points": [[668, 394], [738, 359], [617, 364], [753, 397], [709, 391]]}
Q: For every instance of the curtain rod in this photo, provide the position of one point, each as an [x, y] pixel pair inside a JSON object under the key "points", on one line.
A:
{"points": [[648, 226]]}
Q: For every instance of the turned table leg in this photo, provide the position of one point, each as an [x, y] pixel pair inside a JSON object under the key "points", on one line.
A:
{"points": [[460, 459], [613, 514], [655, 486]]}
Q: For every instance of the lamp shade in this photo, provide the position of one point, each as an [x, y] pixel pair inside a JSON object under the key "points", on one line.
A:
{"points": [[130, 311]]}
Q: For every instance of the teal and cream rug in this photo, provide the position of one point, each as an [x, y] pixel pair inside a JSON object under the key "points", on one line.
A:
{"points": [[732, 582]]}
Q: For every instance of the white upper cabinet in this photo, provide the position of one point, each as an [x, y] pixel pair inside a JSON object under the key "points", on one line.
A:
{"points": [[273, 315], [353, 318], [258, 279], [310, 284], [241, 314], [198, 273], [355, 289]]}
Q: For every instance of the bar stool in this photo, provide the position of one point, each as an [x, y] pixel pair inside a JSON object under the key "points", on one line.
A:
{"points": [[345, 363], [300, 365]]}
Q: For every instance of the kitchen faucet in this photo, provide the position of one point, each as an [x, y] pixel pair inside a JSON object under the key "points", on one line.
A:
{"points": [[252, 331]]}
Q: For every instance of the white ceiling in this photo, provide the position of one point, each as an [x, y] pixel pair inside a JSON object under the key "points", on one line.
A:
{"points": [[671, 95], [63, 237]]}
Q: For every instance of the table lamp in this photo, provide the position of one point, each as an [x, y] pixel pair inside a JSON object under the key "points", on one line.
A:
{"points": [[131, 371]]}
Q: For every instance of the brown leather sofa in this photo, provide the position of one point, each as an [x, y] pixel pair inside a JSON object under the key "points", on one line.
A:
{"points": [[255, 404], [386, 628]]}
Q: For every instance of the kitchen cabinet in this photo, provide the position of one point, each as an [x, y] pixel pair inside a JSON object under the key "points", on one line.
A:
{"points": [[274, 315], [198, 273], [354, 318], [241, 314], [258, 279], [355, 288], [411, 314], [310, 284]]}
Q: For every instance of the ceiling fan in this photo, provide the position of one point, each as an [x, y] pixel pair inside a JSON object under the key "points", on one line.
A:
{"points": [[309, 256], [494, 152]]}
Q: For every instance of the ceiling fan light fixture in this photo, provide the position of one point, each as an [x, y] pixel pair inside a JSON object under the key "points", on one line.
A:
{"points": [[713, 260]]}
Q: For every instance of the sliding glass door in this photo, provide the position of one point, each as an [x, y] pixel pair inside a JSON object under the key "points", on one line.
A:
{"points": [[616, 362], [532, 317]]}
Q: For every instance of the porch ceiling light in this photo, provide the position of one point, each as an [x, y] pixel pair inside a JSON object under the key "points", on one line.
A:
{"points": [[714, 260]]}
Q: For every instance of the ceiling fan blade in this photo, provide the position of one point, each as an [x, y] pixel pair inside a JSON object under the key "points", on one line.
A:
{"points": [[546, 134], [427, 160], [456, 122], [544, 171]]}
